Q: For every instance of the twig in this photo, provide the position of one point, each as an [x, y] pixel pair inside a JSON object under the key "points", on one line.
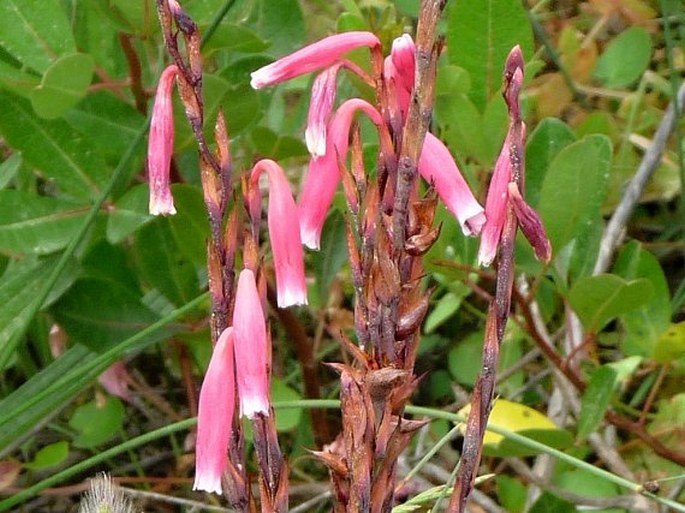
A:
{"points": [[650, 161]]}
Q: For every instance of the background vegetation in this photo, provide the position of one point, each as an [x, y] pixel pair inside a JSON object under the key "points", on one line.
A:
{"points": [[594, 358]]}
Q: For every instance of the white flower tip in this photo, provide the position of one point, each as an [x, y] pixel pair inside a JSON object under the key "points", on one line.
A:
{"points": [[485, 258], [251, 406], [310, 238], [316, 142], [207, 483], [473, 225], [162, 208], [257, 79], [292, 297]]}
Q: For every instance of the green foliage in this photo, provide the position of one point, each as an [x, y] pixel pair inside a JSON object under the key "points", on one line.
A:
{"points": [[78, 249]]}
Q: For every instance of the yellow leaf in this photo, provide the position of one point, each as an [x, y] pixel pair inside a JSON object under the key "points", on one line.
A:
{"points": [[512, 417]]}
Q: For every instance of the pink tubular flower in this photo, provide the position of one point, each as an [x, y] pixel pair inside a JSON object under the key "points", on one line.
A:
{"points": [[318, 55], [320, 108], [215, 416], [324, 175], [284, 234], [403, 55], [251, 348], [438, 168], [496, 206], [161, 146]]}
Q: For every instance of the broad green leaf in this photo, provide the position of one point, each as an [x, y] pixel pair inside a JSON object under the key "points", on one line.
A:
{"points": [[97, 423], [49, 456], [278, 147], [511, 493], [289, 418], [129, 214], [190, 226], [625, 59], [99, 313], [550, 136], [64, 84], [18, 289], [330, 258], [645, 325], [464, 359], [670, 346], [235, 38], [283, 24], [600, 299], [576, 480], [31, 224], [9, 169], [574, 188], [595, 400], [446, 306], [480, 34], [163, 266], [53, 147], [35, 32], [109, 123]]}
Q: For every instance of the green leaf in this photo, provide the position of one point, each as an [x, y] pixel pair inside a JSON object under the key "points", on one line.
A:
{"points": [[600, 299], [190, 225], [18, 289], [97, 423], [235, 38], [162, 264], [625, 59], [99, 313], [35, 32], [109, 123], [49, 456], [9, 169], [574, 188], [670, 345], [646, 324], [464, 359], [550, 136], [266, 142], [287, 418], [283, 24], [129, 214], [595, 400], [511, 493], [480, 34], [589, 485], [64, 84], [333, 254], [446, 306], [31, 224], [52, 147]]}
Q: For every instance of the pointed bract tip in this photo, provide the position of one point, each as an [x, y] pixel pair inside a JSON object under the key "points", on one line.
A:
{"points": [[514, 60]]}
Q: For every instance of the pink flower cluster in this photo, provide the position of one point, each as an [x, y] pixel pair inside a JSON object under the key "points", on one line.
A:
{"points": [[328, 130], [241, 359]]}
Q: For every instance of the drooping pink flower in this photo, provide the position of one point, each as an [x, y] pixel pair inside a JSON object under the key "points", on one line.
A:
{"points": [[318, 55], [284, 234], [320, 108], [161, 145], [215, 416], [438, 168], [323, 175], [251, 348], [496, 206], [504, 192]]}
